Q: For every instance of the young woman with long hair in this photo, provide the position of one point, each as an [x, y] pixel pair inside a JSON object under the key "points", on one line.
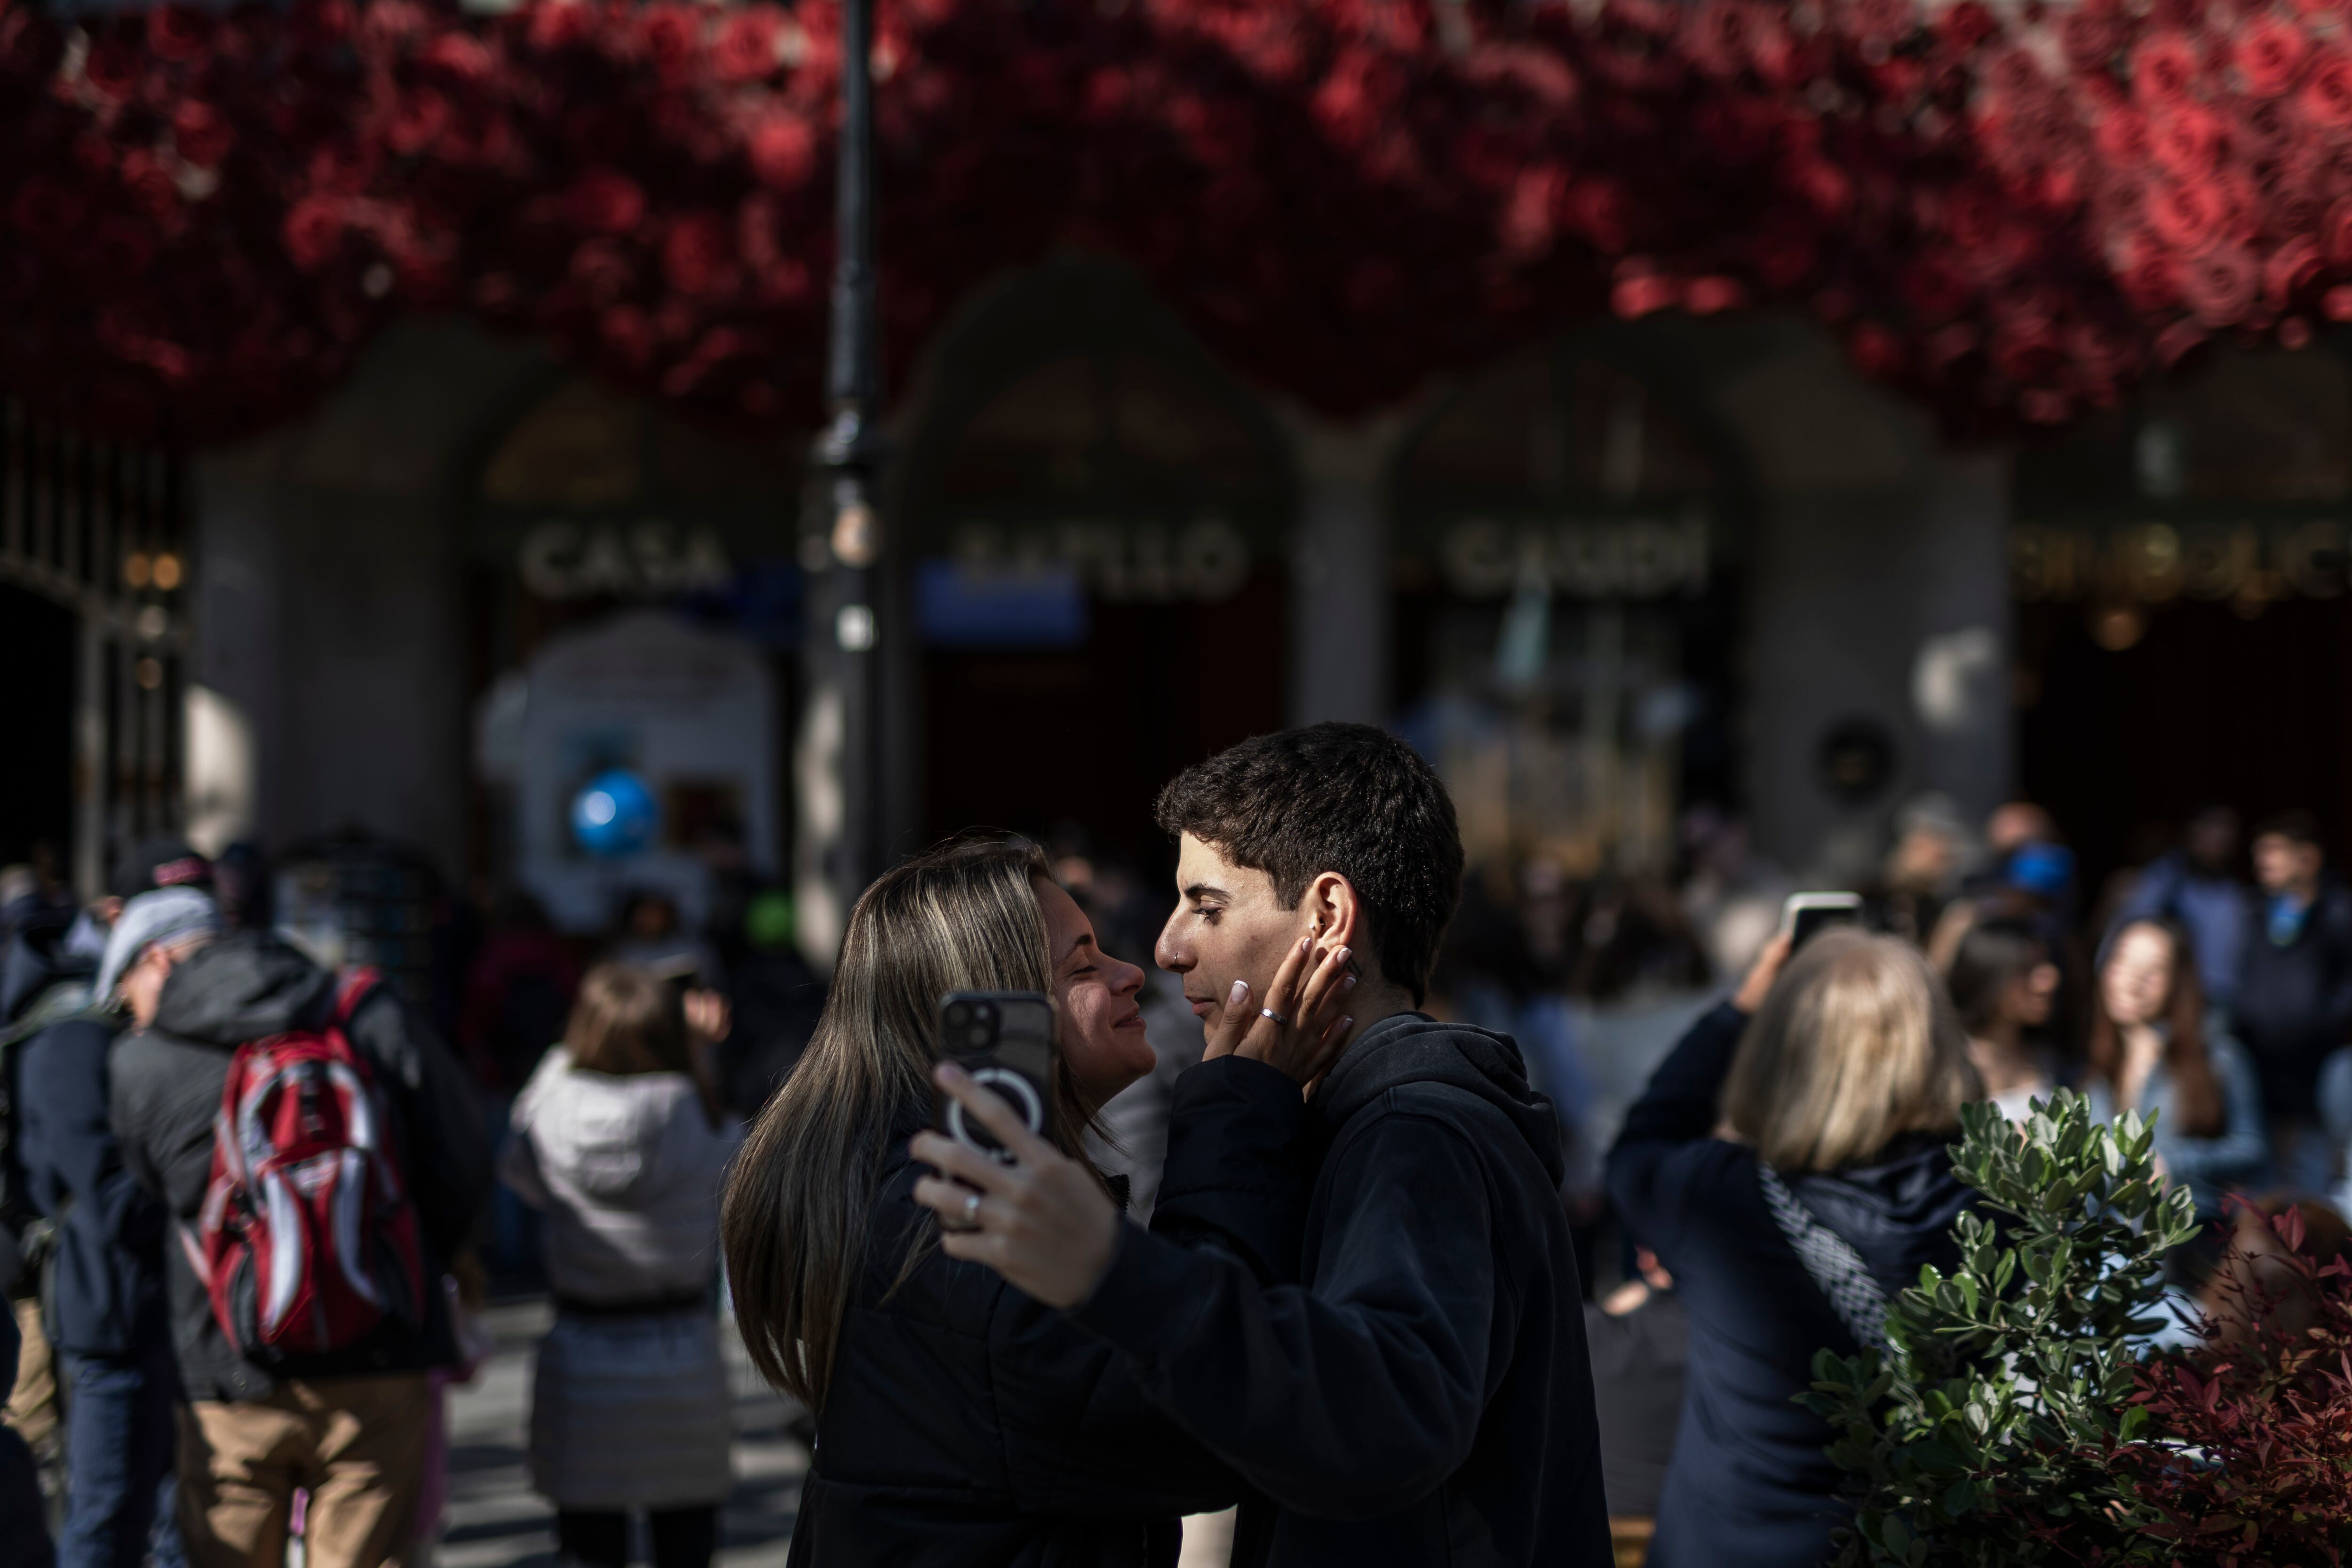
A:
{"points": [[958, 1421], [2154, 1047], [2004, 984]]}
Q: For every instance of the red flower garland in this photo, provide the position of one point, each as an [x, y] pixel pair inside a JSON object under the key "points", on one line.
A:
{"points": [[2017, 221]]}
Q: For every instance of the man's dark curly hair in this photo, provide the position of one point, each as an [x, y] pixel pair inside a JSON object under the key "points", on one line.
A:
{"points": [[1335, 797]]}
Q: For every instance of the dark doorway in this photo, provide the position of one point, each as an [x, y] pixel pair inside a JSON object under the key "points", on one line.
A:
{"points": [[2202, 707], [36, 675], [1038, 741]]}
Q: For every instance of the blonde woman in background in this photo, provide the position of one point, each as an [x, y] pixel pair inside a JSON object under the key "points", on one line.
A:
{"points": [[619, 1139], [1787, 1165]]}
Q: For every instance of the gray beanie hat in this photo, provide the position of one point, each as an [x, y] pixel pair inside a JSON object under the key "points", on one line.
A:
{"points": [[168, 915]]}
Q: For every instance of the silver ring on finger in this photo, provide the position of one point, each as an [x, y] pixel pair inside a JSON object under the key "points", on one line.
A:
{"points": [[971, 1211], [1270, 1013]]}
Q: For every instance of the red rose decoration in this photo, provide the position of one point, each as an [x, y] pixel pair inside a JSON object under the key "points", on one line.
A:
{"points": [[47, 210], [178, 33], [113, 64], [1642, 294], [745, 49], [1711, 296], [604, 201], [782, 150], [201, 134], [669, 34], [1877, 349], [2221, 285], [2092, 33], [2270, 54], [2335, 234], [2192, 215], [313, 231], [2327, 96], [2292, 269], [699, 254], [2165, 68], [2185, 138], [604, 269]]}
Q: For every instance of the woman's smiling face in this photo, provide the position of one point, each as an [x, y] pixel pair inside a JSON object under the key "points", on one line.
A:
{"points": [[1097, 994]]}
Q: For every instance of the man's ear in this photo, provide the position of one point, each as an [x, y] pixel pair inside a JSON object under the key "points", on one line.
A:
{"points": [[1335, 914]]}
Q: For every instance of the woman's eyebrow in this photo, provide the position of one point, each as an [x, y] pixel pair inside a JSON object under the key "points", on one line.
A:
{"points": [[1085, 938]]}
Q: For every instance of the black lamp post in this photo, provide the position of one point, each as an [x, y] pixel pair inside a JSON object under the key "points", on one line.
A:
{"points": [[851, 451]]}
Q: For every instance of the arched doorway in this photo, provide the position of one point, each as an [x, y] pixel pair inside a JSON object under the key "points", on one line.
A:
{"points": [[94, 574], [635, 604], [2184, 636], [1566, 605], [1096, 516]]}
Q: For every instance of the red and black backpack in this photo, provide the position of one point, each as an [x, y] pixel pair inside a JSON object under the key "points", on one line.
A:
{"points": [[307, 1239]]}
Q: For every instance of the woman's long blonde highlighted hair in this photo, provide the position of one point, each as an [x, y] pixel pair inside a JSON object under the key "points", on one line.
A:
{"points": [[1856, 1046], [800, 1200]]}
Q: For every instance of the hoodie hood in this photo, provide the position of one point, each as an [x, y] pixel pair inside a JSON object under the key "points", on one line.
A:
{"points": [[1897, 1211], [38, 958], [1412, 1048], [242, 987]]}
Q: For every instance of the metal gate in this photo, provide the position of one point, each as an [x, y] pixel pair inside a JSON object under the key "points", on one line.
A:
{"points": [[100, 527]]}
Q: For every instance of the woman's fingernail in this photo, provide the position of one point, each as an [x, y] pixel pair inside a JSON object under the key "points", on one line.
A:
{"points": [[1347, 984], [1235, 997], [1339, 955]]}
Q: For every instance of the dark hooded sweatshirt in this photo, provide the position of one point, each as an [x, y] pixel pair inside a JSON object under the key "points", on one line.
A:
{"points": [[1750, 1486], [106, 1277], [1423, 1394], [167, 1081]]}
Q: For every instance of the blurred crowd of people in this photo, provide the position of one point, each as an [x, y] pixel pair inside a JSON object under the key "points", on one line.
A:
{"points": [[251, 1205], [560, 1111], [2210, 988]]}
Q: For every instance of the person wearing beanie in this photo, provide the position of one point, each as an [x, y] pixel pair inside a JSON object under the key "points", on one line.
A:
{"points": [[105, 1315]]}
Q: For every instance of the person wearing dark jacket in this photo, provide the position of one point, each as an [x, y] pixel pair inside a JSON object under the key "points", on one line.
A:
{"points": [[1792, 1170], [348, 1426], [104, 1303], [961, 1424], [2292, 1005], [1422, 1391]]}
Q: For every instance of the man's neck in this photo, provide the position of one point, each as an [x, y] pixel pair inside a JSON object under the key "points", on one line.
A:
{"points": [[1376, 1002]]}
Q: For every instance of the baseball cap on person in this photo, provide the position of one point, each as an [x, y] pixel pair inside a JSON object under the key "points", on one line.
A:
{"points": [[159, 863], [165, 915]]}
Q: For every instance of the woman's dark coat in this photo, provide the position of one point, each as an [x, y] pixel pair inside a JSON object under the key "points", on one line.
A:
{"points": [[967, 1427], [1750, 1486]]}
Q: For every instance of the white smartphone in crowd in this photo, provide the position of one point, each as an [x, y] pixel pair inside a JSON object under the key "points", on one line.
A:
{"points": [[1806, 915]]}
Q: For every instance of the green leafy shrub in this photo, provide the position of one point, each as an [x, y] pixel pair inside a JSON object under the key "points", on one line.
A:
{"points": [[1987, 1434]]}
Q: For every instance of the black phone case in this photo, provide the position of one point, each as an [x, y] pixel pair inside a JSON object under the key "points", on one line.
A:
{"points": [[1005, 1040]]}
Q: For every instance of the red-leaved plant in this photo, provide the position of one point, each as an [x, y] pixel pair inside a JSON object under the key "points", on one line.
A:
{"points": [[2252, 1461]]}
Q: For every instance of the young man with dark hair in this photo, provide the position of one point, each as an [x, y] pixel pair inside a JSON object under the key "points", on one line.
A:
{"points": [[1405, 1379]]}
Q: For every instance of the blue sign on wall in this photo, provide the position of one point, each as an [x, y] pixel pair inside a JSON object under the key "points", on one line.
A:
{"points": [[961, 605]]}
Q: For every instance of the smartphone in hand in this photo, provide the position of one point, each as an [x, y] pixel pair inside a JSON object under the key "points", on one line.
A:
{"points": [[1005, 1040], [1806, 915]]}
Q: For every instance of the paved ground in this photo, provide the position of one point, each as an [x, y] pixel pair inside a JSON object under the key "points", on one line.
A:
{"points": [[495, 1521]]}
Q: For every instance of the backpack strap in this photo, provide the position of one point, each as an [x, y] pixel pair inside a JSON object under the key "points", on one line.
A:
{"points": [[1854, 1294], [352, 988]]}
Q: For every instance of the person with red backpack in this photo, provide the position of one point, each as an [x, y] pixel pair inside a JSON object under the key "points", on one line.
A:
{"points": [[317, 1151]]}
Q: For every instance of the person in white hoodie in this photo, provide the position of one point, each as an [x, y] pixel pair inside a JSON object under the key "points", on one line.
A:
{"points": [[619, 1139]]}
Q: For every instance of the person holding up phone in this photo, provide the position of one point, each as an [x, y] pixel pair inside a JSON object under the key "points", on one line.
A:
{"points": [[1420, 1390], [961, 1421]]}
